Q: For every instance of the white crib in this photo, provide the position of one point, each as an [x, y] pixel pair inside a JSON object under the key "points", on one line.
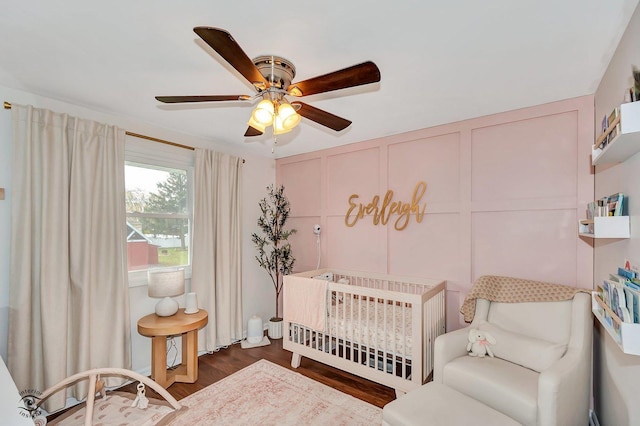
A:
{"points": [[380, 327]]}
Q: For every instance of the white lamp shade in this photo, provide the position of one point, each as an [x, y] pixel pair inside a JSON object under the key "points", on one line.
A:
{"points": [[166, 283]]}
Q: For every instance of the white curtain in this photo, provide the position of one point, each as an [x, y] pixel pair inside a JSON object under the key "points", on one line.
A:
{"points": [[68, 307], [216, 260]]}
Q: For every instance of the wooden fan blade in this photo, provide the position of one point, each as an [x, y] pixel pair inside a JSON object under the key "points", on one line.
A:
{"points": [[201, 98], [357, 75], [251, 131], [322, 117], [222, 42]]}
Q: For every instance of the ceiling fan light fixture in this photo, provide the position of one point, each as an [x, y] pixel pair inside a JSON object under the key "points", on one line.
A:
{"points": [[263, 113], [278, 126], [290, 118], [256, 125]]}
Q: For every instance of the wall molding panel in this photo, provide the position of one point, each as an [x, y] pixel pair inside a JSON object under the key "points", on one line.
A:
{"points": [[504, 194]]}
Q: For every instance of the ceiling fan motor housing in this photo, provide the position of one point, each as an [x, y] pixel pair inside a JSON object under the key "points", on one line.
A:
{"points": [[278, 71]]}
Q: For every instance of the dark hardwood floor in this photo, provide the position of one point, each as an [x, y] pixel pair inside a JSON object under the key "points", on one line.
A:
{"points": [[216, 366]]}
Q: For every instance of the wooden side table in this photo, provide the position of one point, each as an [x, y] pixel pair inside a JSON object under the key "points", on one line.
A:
{"points": [[158, 328]]}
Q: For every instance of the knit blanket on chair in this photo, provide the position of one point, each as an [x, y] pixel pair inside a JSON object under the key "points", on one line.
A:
{"points": [[514, 290]]}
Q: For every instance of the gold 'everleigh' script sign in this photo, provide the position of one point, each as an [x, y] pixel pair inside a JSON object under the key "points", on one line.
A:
{"points": [[381, 214]]}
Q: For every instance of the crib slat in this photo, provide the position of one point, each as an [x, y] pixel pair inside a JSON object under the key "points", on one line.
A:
{"points": [[404, 341], [385, 343], [394, 343]]}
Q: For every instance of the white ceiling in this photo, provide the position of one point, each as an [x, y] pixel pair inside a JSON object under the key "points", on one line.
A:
{"points": [[440, 61]]}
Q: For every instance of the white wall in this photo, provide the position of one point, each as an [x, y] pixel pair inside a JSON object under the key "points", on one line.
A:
{"points": [[616, 375], [258, 172]]}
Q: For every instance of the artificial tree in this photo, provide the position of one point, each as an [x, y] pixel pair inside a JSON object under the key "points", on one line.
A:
{"points": [[274, 251]]}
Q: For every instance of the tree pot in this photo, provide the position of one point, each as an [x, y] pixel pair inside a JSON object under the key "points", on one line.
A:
{"points": [[275, 328]]}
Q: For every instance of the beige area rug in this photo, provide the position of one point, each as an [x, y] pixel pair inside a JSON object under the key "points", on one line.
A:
{"points": [[267, 394]]}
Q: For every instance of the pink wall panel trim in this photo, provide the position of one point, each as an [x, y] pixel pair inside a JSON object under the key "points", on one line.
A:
{"points": [[527, 159], [539, 244], [302, 241], [357, 172], [435, 160], [504, 194], [302, 181], [360, 248], [434, 246]]}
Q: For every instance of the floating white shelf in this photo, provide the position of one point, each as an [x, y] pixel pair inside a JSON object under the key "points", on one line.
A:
{"points": [[605, 227], [627, 143], [625, 334]]}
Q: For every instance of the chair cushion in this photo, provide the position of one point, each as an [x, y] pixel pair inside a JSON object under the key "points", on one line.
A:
{"points": [[529, 352], [435, 404], [549, 321], [502, 385]]}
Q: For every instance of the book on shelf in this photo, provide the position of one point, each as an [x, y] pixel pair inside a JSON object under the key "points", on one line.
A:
{"points": [[607, 122], [626, 273], [612, 117], [631, 292], [632, 266], [611, 205], [614, 132], [621, 293], [621, 205], [591, 210], [603, 127], [613, 294], [633, 303]]}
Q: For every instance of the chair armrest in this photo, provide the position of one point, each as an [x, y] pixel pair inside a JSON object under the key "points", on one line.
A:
{"points": [[564, 389], [448, 347]]}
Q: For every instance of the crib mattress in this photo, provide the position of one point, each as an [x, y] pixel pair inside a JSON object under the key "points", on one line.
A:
{"points": [[355, 320]]}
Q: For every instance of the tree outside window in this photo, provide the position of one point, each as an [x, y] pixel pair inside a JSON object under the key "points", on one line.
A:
{"points": [[158, 214]]}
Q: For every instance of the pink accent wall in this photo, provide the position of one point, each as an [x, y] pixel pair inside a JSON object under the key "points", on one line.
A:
{"points": [[504, 195]]}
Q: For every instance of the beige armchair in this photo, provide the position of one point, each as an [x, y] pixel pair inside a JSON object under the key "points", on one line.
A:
{"points": [[542, 367]]}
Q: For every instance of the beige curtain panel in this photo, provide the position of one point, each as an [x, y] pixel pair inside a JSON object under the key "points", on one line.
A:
{"points": [[69, 308], [217, 253]]}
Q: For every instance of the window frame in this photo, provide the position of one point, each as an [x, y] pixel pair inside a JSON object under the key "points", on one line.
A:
{"points": [[149, 153]]}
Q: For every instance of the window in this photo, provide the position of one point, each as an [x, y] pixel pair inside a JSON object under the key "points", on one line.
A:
{"points": [[158, 192]]}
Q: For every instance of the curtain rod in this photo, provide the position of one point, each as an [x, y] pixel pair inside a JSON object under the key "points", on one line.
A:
{"points": [[7, 105]]}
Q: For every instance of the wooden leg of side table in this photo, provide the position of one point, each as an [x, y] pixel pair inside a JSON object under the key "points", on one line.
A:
{"points": [[159, 360], [189, 357]]}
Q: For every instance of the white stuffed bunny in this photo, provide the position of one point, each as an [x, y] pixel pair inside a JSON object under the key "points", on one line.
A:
{"points": [[479, 342]]}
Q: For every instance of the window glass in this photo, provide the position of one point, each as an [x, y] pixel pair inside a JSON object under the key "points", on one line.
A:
{"points": [[158, 213]]}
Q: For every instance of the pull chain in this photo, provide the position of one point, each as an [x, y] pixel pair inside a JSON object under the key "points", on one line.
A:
{"points": [[275, 137]]}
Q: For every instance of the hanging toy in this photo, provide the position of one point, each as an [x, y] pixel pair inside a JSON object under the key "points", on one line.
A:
{"points": [[141, 400], [101, 391]]}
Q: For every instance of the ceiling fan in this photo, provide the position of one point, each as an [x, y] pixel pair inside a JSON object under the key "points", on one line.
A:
{"points": [[272, 76]]}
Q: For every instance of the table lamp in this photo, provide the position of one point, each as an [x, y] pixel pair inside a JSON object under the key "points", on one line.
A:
{"points": [[166, 283]]}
